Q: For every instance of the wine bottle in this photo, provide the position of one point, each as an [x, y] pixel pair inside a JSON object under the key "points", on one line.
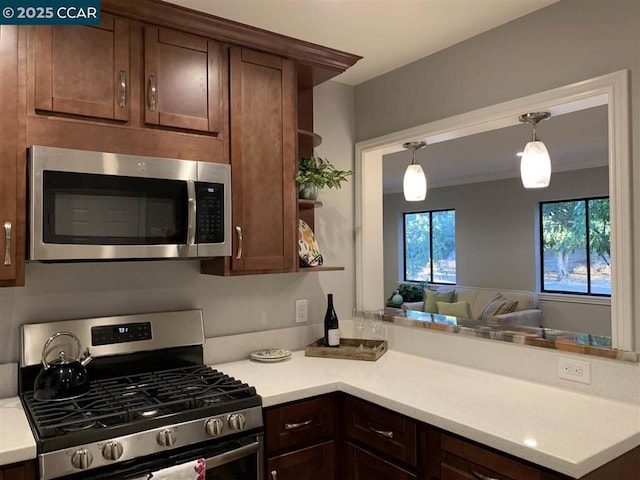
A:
{"points": [[331, 331]]}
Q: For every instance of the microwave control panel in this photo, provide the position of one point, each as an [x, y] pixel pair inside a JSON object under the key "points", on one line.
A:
{"points": [[210, 212]]}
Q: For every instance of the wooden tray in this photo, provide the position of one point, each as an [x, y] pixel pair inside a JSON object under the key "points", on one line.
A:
{"points": [[349, 349]]}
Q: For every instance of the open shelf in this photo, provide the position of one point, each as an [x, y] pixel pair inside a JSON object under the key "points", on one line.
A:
{"points": [[306, 204], [316, 139], [319, 269]]}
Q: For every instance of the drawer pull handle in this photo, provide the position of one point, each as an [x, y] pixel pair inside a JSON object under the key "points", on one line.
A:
{"points": [[7, 243], [274, 475], [293, 426], [383, 433], [479, 476]]}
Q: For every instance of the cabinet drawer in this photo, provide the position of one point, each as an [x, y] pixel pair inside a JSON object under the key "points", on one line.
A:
{"points": [[389, 433], [362, 465], [300, 423], [463, 460]]}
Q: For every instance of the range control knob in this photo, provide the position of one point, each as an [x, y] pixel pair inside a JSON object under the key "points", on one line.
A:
{"points": [[214, 427], [112, 451], [82, 459], [166, 438], [237, 421]]}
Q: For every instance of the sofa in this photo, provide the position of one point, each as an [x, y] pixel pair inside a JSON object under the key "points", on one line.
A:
{"points": [[480, 300]]}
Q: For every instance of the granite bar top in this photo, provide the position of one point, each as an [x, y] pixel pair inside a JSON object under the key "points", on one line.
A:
{"points": [[574, 342], [569, 432]]}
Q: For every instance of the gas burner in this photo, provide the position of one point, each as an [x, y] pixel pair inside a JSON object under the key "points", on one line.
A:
{"points": [[149, 413], [80, 425]]}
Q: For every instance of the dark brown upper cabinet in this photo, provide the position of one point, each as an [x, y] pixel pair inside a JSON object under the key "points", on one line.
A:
{"points": [[263, 162], [183, 80], [84, 70]]}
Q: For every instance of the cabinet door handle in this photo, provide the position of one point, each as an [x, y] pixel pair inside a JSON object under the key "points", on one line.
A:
{"points": [[382, 433], [123, 89], [152, 93], [274, 475], [293, 426], [479, 476], [239, 254], [7, 243]]}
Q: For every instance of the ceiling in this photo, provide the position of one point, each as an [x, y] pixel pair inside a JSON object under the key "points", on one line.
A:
{"points": [[387, 33], [574, 140]]}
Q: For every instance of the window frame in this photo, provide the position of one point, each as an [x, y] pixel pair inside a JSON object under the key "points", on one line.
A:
{"points": [[404, 246], [586, 200]]}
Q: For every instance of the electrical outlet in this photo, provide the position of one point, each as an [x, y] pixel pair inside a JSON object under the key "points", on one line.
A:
{"points": [[575, 370], [302, 308]]}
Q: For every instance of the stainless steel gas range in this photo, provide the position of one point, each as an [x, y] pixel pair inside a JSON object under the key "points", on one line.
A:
{"points": [[151, 403]]}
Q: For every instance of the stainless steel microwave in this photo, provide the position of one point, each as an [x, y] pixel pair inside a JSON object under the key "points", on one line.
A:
{"points": [[103, 206]]}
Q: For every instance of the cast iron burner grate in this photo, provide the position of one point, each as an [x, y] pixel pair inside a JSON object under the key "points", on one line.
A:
{"points": [[133, 399]]}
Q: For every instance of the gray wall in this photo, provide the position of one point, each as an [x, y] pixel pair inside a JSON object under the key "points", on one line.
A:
{"points": [[230, 305], [566, 42], [496, 230]]}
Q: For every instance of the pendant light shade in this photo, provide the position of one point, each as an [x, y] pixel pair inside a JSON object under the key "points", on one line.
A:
{"points": [[535, 164], [414, 184]]}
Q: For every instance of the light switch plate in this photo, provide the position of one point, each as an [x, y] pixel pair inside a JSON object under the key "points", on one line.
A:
{"points": [[302, 309]]}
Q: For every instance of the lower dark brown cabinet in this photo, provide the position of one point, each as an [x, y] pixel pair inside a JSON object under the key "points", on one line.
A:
{"points": [[19, 471], [313, 463], [362, 465]]}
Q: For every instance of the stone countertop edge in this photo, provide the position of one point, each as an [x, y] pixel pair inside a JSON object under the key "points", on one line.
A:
{"points": [[16, 440], [576, 433]]}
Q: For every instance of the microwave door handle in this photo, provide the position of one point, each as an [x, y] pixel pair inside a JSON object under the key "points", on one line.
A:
{"points": [[191, 212]]}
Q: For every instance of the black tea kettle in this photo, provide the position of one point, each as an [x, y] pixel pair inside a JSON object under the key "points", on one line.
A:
{"points": [[65, 377]]}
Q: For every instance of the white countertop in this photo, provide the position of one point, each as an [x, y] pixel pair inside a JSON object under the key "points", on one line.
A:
{"points": [[16, 441], [565, 431]]}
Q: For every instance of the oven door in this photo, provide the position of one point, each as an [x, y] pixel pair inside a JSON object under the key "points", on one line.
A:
{"points": [[236, 459]]}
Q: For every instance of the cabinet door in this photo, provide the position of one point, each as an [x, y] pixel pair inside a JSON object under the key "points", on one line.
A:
{"points": [[84, 70], [24, 471], [314, 463], [362, 465], [183, 75], [262, 99], [9, 157]]}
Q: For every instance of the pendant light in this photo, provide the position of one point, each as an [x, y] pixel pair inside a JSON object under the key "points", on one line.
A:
{"points": [[414, 185], [535, 164]]}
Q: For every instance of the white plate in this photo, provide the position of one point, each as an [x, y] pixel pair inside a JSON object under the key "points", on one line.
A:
{"points": [[270, 355]]}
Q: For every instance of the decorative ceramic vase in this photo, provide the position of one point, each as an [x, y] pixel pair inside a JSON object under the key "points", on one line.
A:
{"points": [[308, 191], [397, 298]]}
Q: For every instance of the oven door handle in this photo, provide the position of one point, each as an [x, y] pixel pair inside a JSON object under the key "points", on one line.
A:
{"points": [[233, 455]]}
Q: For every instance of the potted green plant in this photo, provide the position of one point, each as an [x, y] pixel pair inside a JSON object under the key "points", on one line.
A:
{"points": [[315, 173]]}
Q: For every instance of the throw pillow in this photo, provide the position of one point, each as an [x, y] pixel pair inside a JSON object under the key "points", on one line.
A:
{"points": [[456, 309], [491, 306], [430, 299], [506, 307]]}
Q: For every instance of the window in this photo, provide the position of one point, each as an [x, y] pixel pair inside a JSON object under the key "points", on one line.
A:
{"points": [[574, 240], [430, 246]]}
